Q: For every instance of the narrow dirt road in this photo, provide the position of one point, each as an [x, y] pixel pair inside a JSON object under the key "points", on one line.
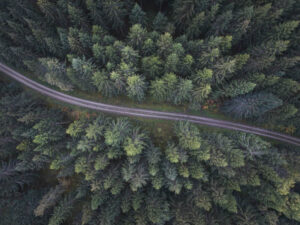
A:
{"points": [[143, 112]]}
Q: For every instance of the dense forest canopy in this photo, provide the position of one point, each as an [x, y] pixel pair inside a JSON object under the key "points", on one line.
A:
{"points": [[109, 171], [241, 55]]}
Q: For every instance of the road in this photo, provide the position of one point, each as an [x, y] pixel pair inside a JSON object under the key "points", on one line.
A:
{"points": [[143, 112]]}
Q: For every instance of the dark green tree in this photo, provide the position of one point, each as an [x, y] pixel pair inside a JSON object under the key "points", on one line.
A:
{"points": [[252, 105], [138, 16]]}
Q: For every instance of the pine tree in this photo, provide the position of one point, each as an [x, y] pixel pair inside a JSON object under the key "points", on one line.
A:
{"points": [[74, 42], [172, 63], [165, 44], [114, 12], [158, 90], [184, 11], [238, 87], [53, 13], [195, 28], [56, 73], [95, 8], [252, 105], [135, 143], [117, 132], [99, 53], [81, 73], [136, 87], [241, 22], [119, 82], [171, 81], [188, 135], [160, 22], [137, 36], [152, 66], [129, 55], [103, 84], [186, 65], [62, 211], [138, 16], [201, 93], [77, 16]]}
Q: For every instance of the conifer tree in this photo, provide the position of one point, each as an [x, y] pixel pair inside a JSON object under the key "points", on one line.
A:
{"points": [[160, 22], [136, 87], [252, 105], [138, 16]]}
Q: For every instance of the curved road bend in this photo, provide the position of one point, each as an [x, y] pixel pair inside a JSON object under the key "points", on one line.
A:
{"points": [[145, 113]]}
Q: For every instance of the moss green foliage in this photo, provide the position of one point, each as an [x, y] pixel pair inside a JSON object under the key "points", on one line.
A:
{"points": [[214, 49], [109, 171], [241, 57]]}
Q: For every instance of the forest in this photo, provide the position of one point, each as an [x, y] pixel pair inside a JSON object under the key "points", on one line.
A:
{"points": [[240, 59], [102, 170]]}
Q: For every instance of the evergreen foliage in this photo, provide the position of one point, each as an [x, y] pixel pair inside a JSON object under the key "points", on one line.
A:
{"points": [[109, 171], [215, 49], [236, 57]]}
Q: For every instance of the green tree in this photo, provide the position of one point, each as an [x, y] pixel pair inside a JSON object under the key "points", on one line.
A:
{"points": [[62, 211], [171, 82], [160, 22], [223, 69], [135, 143], [172, 63], [238, 87], [195, 28], [186, 65], [137, 36], [283, 31], [56, 73], [175, 155], [99, 53], [74, 42], [119, 82], [157, 208], [285, 88], [183, 91], [184, 11], [164, 44], [201, 92], [188, 135], [114, 12], [52, 12], [158, 90], [136, 87], [103, 83], [81, 73], [251, 105], [77, 15], [222, 23], [129, 55], [138, 16], [241, 23], [117, 132], [152, 66], [95, 8], [203, 76], [148, 47]]}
